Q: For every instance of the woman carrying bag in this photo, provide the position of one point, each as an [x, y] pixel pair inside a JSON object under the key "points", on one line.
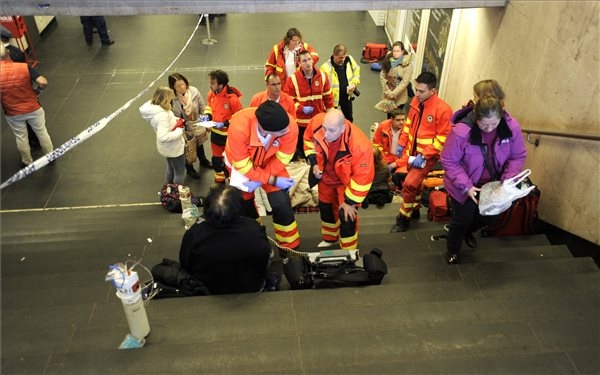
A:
{"points": [[485, 145], [188, 104]]}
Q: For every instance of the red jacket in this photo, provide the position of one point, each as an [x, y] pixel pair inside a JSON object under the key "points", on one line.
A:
{"points": [[16, 90], [318, 94], [246, 153], [221, 107], [276, 60], [354, 163], [425, 133], [286, 101]]}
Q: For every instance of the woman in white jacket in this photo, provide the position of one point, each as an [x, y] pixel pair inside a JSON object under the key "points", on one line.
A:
{"points": [[170, 141]]}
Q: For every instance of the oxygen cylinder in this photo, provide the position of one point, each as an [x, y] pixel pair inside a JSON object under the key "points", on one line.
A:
{"points": [[129, 292]]}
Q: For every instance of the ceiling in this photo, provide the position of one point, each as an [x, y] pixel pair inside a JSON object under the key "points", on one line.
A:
{"points": [[139, 7]]}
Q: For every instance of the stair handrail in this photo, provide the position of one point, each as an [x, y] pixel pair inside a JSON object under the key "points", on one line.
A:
{"points": [[536, 142]]}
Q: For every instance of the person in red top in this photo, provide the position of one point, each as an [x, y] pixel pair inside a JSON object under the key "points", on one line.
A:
{"points": [[422, 140], [341, 159], [386, 139], [283, 58], [222, 102], [261, 144], [312, 94], [274, 93], [21, 106]]}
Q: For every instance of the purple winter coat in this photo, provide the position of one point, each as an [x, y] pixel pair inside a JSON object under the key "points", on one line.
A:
{"points": [[462, 158]]}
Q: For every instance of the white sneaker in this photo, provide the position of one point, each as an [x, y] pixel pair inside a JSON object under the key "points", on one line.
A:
{"points": [[447, 227], [326, 244]]}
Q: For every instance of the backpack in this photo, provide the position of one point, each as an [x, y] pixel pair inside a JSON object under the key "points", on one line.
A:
{"points": [[520, 219], [373, 52], [439, 205]]}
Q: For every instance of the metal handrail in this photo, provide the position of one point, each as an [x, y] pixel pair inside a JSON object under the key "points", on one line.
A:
{"points": [[529, 132]]}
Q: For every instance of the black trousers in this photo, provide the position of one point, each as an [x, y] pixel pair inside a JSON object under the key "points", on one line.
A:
{"points": [[89, 22], [465, 219]]}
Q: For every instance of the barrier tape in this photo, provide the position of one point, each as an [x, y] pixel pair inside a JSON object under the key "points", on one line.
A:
{"points": [[93, 129]]}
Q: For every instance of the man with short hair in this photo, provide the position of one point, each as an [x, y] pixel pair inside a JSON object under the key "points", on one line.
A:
{"points": [[274, 93], [341, 159], [422, 140], [386, 139], [311, 92], [260, 145], [222, 102], [344, 76], [21, 106]]}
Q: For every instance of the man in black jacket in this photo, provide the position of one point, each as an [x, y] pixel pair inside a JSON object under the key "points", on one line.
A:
{"points": [[227, 252]]}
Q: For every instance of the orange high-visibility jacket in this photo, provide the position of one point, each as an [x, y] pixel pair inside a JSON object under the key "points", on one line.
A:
{"points": [[286, 101], [425, 133], [276, 60], [246, 153], [354, 164], [317, 95], [222, 106]]}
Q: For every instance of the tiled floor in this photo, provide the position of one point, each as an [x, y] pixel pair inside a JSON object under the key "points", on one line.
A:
{"points": [[516, 305]]}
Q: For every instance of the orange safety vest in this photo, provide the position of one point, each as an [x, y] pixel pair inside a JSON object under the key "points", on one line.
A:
{"points": [[16, 91]]}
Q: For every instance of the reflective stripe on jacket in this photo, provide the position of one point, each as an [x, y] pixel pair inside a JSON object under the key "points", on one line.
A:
{"points": [[246, 153], [276, 61], [317, 94], [425, 133], [354, 163], [222, 106], [352, 73]]}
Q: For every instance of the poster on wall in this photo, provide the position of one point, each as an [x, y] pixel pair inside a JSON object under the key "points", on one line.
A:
{"points": [[437, 40], [412, 27]]}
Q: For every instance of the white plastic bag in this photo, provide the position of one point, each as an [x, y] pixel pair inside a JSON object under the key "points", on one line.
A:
{"points": [[496, 197]]}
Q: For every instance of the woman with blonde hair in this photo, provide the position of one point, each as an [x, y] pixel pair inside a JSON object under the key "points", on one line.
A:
{"points": [[170, 141]]}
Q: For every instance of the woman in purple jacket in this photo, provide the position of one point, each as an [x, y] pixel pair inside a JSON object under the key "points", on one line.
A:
{"points": [[485, 145]]}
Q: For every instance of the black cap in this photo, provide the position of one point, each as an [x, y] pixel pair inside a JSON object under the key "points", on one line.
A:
{"points": [[271, 116], [5, 33]]}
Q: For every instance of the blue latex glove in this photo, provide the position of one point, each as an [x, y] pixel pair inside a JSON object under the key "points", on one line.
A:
{"points": [[252, 185], [219, 125], [307, 109], [419, 162], [284, 182], [399, 150]]}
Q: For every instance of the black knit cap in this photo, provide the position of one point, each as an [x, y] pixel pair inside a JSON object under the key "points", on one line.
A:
{"points": [[271, 116]]}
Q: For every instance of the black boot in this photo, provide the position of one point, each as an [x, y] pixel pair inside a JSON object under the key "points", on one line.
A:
{"points": [[191, 171], [206, 163], [401, 225]]}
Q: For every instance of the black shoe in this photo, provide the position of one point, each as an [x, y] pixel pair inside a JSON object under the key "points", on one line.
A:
{"points": [[365, 203], [453, 258], [191, 171], [108, 42], [470, 240], [401, 225], [206, 163], [416, 214]]}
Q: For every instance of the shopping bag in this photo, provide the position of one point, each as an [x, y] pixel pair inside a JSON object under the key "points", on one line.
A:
{"points": [[496, 197]]}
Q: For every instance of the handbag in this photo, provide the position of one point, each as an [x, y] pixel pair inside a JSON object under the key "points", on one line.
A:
{"points": [[190, 150], [199, 131], [496, 197]]}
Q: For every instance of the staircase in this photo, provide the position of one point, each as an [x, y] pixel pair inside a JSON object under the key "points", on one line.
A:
{"points": [[514, 306]]}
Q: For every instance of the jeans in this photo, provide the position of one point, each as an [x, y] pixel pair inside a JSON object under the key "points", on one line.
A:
{"points": [[175, 170], [37, 121]]}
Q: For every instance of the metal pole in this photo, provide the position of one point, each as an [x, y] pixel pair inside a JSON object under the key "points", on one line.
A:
{"points": [[208, 41]]}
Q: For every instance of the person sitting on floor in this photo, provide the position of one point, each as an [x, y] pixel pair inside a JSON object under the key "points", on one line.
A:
{"points": [[382, 186], [227, 252]]}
